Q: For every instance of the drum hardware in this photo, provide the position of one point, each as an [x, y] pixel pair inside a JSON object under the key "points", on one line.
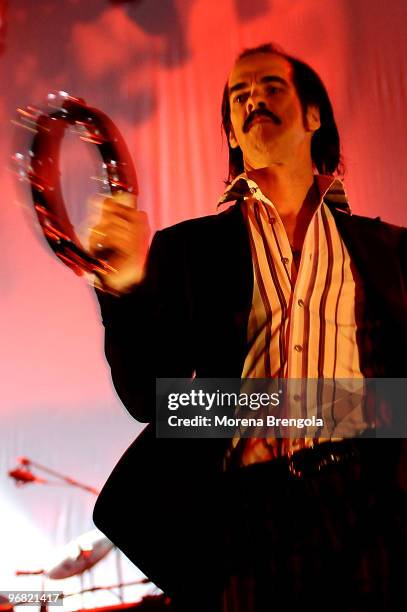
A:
{"points": [[83, 552], [108, 587], [80, 555], [23, 474], [76, 557]]}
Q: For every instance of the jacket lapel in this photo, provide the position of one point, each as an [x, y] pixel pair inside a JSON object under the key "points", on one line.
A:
{"points": [[222, 295], [375, 250]]}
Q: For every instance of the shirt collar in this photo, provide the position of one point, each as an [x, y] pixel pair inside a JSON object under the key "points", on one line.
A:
{"points": [[332, 191]]}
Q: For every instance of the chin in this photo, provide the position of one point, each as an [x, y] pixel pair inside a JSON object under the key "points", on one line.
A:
{"points": [[264, 159]]}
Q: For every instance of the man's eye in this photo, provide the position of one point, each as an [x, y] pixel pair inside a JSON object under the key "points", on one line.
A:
{"points": [[273, 90], [240, 99]]}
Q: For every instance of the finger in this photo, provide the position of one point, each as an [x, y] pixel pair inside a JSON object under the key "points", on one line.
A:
{"points": [[121, 232], [116, 240], [126, 199], [113, 221], [137, 225], [103, 207], [122, 198]]}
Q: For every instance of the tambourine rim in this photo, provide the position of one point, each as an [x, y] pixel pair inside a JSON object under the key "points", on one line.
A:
{"points": [[50, 131]]}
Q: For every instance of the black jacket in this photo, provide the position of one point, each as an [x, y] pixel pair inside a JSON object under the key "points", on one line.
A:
{"points": [[190, 316]]}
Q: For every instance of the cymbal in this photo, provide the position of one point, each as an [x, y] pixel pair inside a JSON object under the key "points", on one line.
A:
{"points": [[80, 554]]}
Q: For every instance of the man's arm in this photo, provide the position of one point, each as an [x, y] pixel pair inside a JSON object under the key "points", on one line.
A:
{"points": [[146, 330]]}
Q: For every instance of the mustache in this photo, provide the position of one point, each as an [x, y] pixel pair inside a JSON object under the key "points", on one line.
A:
{"points": [[260, 112]]}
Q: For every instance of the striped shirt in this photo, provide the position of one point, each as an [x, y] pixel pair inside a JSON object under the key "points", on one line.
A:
{"points": [[304, 315]]}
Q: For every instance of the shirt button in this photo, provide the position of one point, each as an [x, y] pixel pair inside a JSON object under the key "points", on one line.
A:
{"points": [[298, 348], [297, 397], [285, 260], [300, 303]]}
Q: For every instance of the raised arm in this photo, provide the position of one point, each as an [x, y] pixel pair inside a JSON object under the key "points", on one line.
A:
{"points": [[147, 331]]}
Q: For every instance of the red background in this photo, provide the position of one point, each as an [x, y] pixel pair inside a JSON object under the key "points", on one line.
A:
{"points": [[157, 68]]}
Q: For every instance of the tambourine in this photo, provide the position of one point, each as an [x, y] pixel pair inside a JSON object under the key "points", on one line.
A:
{"points": [[43, 174]]}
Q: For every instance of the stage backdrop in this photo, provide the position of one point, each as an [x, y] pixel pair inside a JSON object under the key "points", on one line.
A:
{"points": [[158, 68]]}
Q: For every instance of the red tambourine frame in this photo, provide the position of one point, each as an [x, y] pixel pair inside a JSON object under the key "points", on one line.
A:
{"points": [[43, 174]]}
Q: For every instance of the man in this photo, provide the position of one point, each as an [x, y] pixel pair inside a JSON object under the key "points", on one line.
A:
{"points": [[285, 283]]}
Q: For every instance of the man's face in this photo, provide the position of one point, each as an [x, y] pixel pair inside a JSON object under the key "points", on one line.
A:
{"points": [[266, 113]]}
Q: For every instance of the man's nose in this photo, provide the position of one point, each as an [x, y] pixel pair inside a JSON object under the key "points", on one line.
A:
{"points": [[255, 101]]}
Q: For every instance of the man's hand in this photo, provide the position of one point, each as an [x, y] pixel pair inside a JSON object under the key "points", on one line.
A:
{"points": [[120, 237]]}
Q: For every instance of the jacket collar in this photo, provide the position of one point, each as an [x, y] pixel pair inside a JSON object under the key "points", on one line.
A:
{"points": [[332, 191]]}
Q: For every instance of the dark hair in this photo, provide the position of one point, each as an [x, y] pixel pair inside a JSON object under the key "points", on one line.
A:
{"points": [[325, 143]]}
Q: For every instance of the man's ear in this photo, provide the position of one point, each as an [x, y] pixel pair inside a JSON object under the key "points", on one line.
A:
{"points": [[232, 139], [313, 119]]}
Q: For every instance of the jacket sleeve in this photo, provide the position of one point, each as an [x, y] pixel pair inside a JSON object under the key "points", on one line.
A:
{"points": [[147, 330]]}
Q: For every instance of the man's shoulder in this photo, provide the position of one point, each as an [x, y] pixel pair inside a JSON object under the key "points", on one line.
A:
{"points": [[370, 238], [206, 221], [379, 222], [374, 225], [200, 226]]}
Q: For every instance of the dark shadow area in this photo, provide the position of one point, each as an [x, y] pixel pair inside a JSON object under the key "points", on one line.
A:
{"points": [[159, 18], [3, 24], [250, 9], [46, 28], [371, 27], [376, 37]]}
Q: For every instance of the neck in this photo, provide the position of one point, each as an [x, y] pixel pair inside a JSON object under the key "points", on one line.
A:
{"points": [[287, 188]]}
